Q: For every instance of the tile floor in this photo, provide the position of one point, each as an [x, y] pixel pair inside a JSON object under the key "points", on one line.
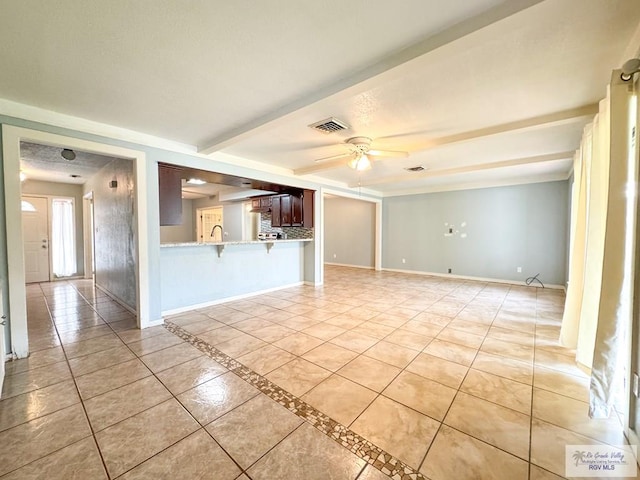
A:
{"points": [[454, 379]]}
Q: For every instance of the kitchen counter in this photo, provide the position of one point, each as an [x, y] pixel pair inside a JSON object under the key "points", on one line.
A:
{"points": [[237, 242], [220, 246]]}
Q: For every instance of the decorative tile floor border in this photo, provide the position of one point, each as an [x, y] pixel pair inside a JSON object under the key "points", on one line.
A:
{"points": [[370, 453]]}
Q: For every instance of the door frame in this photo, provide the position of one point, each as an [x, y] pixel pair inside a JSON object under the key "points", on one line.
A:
{"points": [[88, 234], [49, 258], [17, 297], [377, 240]]}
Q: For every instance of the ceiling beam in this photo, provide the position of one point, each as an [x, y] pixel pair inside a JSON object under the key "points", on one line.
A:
{"points": [[467, 169], [318, 167], [367, 74], [551, 119]]}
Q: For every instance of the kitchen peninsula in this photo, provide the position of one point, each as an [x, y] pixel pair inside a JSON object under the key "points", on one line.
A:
{"points": [[195, 275], [225, 237]]}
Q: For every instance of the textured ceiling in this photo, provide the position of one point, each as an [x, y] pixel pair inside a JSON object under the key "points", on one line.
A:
{"points": [[246, 78], [42, 162]]}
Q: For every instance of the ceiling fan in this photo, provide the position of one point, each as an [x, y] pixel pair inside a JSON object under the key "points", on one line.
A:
{"points": [[360, 152]]}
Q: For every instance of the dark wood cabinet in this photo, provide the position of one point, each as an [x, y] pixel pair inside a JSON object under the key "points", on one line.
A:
{"points": [[170, 194], [307, 208], [292, 210], [261, 203], [276, 217], [296, 210], [285, 211]]}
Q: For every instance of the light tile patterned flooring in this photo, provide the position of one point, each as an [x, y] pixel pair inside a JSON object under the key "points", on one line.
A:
{"points": [[457, 379]]}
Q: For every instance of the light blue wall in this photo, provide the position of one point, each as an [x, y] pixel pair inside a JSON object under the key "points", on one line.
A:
{"points": [[506, 227], [114, 230], [54, 189], [198, 275], [349, 231], [153, 156]]}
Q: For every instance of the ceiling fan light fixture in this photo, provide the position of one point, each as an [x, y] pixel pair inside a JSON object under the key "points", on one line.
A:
{"points": [[360, 163], [68, 154]]}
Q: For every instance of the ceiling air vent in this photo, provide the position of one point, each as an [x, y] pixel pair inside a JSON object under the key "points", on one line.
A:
{"points": [[329, 125], [419, 168]]}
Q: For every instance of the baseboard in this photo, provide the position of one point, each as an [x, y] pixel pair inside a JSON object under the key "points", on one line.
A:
{"points": [[313, 284], [62, 279], [468, 277], [196, 306], [348, 265], [116, 299], [153, 323]]}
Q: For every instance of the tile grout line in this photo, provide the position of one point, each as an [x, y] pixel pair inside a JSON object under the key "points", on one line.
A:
{"points": [[424, 458], [86, 415], [355, 443], [172, 396]]}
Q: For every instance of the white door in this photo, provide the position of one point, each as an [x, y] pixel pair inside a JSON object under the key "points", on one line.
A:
{"points": [[210, 225], [35, 231]]}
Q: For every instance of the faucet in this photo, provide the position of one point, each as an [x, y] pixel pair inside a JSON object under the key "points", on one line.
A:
{"points": [[221, 231]]}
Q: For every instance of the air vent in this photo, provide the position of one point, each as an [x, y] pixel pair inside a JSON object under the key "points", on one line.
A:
{"points": [[419, 168], [329, 125]]}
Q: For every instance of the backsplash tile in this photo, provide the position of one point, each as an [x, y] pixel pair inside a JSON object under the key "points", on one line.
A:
{"points": [[291, 232]]}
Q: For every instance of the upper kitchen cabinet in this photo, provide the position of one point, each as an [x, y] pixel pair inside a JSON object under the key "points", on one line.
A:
{"points": [[170, 193], [261, 204], [294, 210], [307, 208]]}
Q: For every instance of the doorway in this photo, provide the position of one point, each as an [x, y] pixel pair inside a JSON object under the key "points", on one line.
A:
{"points": [[35, 226], [14, 299], [210, 224]]}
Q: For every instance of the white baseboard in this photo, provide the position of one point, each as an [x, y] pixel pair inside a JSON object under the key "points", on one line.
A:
{"points": [[313, 284], [467, 277], [153, 323], [196, 306], [347, 265]]}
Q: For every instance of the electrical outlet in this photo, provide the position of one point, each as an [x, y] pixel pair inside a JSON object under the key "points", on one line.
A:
{"points": [[519, 269], [448, 270], [335, 256], [404, 260]]}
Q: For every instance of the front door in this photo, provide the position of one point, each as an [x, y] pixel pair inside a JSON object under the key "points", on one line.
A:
{"points": [[35, 231]]}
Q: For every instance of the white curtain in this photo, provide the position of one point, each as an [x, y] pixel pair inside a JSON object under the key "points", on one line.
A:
{"points": [[597, 308], [63, 249], [614, 318]]}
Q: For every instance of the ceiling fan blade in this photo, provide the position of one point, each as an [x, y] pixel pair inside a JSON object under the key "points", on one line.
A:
{"points": [[387, 153], [335, 157]]}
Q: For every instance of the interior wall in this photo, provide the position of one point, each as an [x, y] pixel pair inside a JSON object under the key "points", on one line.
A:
{"points": [[232, 217], [114, 237], [349, 231], [54, 189], [568, 248], [185, 232], [495, 231]]}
